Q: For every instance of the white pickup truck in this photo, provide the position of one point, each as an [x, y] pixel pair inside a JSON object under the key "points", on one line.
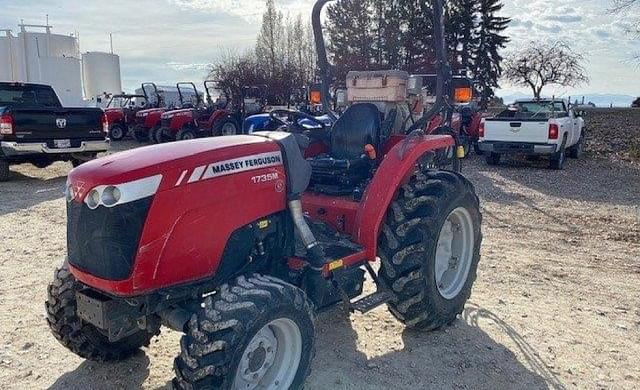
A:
{"points": [[534, 127]]}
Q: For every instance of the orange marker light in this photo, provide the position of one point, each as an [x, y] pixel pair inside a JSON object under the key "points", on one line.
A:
{"points": [[370, 151]]}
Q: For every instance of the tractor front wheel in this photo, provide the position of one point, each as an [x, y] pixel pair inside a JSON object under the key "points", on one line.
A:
{"points": [[186, 134], [117, 132], [82, 338], [257, 332], [430, 248]]}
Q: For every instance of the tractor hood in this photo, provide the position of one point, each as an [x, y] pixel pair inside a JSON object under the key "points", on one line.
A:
{"points": [[149, 111], [177, 163], [182, 112]]}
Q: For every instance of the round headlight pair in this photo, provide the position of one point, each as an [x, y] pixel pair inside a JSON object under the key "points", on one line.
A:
{"points": [[110, 197]]}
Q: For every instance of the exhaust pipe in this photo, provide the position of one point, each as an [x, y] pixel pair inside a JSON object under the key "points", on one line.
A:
{"points": [[315, 251]]}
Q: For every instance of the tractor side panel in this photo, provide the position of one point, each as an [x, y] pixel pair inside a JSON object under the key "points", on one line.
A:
{"points": [[179, 121], [153, 119], [394, 171], [189, 226]]}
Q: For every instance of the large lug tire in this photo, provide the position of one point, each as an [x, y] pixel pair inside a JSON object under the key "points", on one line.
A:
{"points": [[493, 158], [80, 337], [558, 159], [140, 134], [5, 173], [186, 134], [255, 332], [226, 127], [117, 132], [154, 135], [430, 248]]}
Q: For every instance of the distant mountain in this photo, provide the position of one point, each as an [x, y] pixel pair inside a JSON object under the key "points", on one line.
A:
{"points": [[600, 100]]}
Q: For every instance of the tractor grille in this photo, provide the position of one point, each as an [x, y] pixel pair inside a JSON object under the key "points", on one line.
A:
{"points": [[165, 123], [104, 242]]}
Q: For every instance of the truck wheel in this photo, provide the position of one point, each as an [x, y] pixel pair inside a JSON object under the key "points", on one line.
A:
{"points": [[493, 158], [558, 159], [117, 132], [577, 150], [77, 160], [186, 134], [80, 337], [226, 127], [430, 248], [256, 332], [4, 170]]}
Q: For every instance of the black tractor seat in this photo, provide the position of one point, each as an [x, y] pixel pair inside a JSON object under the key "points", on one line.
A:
{"points": [[346, 165]]}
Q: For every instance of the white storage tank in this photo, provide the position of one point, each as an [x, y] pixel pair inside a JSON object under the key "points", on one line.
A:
{"points": [[101, 74]]}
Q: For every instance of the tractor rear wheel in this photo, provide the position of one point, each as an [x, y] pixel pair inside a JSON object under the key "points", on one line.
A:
{"points": [[82, 338], [140, 134], [430, 248], [256, 332], [226, 126]]}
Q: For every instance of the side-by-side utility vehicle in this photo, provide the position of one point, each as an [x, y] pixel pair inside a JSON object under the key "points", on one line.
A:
{"points": [[238, 241]]}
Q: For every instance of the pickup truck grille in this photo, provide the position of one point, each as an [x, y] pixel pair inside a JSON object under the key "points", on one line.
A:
{"points": [[104, 242]]}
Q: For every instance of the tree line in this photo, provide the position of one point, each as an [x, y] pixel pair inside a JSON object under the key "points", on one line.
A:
{"points": [[371, 35]]}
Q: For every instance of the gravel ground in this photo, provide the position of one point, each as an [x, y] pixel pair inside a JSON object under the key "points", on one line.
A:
{"points": [[555, 304]]}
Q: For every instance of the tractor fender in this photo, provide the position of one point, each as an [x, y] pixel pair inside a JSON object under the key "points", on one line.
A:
{"points": [[395, 170]]}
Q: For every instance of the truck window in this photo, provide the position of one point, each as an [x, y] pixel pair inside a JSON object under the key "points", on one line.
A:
{"points": [[535, 110], [28, 96]]}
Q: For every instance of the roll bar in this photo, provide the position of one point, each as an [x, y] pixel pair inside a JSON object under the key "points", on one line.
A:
{"points": [[443, 69], [195, 89], [155, 92]]}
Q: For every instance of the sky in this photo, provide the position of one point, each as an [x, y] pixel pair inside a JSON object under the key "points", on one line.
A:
{"points": [[166, 41]]}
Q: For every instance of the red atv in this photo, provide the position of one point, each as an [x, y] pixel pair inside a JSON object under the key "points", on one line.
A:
{"points": [[121, 113], [238, 241], [203, 119], [148, 121]]}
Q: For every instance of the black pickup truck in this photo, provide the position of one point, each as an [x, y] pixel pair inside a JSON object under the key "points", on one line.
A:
{"points": [[35, 128]]}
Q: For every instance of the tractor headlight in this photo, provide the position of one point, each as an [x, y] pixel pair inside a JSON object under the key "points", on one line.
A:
{"points": [[112, 195]]}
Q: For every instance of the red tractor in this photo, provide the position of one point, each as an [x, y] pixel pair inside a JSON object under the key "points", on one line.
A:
{"points": [[147, 121], [121, 113], [238, 241], [203, 119], [465, 116]]}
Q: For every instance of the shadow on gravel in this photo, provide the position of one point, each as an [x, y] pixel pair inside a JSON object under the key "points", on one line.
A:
{"points": [[461, 356], [129, 374], [23, 192]]}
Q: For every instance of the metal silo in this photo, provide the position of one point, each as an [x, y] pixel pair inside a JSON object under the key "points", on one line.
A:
{"points": [[101, 74]]}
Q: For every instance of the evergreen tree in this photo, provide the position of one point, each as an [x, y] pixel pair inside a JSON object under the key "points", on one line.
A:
{"points": [[350, 32], [487, 62], [462, 32]]}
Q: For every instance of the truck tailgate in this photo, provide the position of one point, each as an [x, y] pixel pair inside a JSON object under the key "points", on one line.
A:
{"points": [[32, 125], [516, 131]]}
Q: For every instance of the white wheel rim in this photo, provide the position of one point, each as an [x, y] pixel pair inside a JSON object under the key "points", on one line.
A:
{"points": [[228, 129], [271, 358], [454, 253]]}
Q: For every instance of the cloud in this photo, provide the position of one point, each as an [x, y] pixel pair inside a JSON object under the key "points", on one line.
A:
{"points": [[565, 18]]}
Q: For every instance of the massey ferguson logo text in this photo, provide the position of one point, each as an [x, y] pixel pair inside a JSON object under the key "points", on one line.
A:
{"points": [[61, 123], [228, 167]]}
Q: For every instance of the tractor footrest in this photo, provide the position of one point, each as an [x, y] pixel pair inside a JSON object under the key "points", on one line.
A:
{"points": [[372, 301]]}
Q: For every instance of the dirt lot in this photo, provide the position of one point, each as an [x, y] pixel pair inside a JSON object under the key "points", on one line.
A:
{"points": [[556, 303]]}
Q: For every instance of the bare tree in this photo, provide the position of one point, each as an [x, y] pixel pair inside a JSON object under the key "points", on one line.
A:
{"points": [[542, 64]]}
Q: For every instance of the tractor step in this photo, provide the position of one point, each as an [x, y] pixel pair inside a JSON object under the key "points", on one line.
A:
{"points": [[370, 302]]}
